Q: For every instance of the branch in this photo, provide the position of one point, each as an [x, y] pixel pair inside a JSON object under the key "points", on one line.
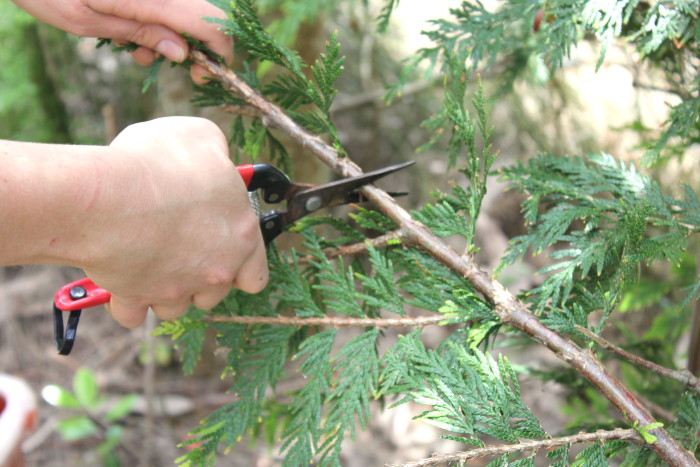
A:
{"points": [[417, 321], [684, 376], [533, 446], [359, 248], [508, 308], [242, 110]]}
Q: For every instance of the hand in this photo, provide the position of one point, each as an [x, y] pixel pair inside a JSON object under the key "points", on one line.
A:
{"points": [[173, 225], [153, 24]]}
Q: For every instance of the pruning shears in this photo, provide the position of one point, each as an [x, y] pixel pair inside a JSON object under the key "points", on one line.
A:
{"points": [[275, 187]]}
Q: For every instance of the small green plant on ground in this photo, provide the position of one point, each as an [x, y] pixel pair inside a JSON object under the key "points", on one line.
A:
{"points": [[599, 222], [89, 417]]}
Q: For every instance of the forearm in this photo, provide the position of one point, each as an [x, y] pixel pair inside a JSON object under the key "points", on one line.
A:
{"points": [[47, 193]]}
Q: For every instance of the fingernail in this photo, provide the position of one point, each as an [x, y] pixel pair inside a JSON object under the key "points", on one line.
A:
{"points": [[171, 51]]}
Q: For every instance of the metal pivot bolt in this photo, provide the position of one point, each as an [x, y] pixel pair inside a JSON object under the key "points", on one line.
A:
{"points": [[77, 292], [313, 204]]}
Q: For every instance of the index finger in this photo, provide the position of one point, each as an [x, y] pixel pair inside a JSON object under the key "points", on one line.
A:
{"points": [[178, 15]]}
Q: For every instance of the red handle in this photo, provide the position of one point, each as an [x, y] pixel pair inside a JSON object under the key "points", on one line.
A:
{"points": [[80, 294], [246, 172]]}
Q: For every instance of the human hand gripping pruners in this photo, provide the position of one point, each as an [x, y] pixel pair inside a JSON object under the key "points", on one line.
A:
{"points": [[274, 186]]}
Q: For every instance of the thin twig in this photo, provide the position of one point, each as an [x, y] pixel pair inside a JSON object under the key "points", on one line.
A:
{"points": [[383, 241], [508, 308], [684, 376], [242, 110], [532, 446], [415, 321], [345, 103], [149, 377], [657, 409]]}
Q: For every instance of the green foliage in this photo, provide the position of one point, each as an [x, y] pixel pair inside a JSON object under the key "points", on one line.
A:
{"points": [[385, 15], [91, 416], [188, 332], [21, 112], [340, 384], [603, 218], [445, 218], [599, 222], [469, 393], [592, 456], [666, 34], [293, 90]]}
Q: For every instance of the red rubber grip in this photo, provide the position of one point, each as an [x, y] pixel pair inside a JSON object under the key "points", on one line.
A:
{"points": [[94, 296], [246, 172]]}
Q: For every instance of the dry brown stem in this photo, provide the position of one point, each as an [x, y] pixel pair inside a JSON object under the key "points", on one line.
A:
{"points": [[683, 376], [506, 306], [383, 241], [531, 446], [337, 322]]}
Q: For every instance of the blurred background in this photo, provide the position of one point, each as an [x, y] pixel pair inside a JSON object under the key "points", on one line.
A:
{"points": [[61, 89]]}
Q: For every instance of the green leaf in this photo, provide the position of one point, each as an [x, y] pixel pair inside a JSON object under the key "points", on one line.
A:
{"points": [[121, 408], [385, 14], [644, 431], [592, 456], [112, 437], [59, 397], [152, 76], [76, 428], [85, 387]]}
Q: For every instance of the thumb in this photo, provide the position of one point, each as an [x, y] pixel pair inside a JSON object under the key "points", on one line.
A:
{"points": [[174, 16], [155, 37]]}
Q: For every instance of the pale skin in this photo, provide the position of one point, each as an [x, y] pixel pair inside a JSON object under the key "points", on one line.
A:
{"points": [[159, 217], [153, 24]]}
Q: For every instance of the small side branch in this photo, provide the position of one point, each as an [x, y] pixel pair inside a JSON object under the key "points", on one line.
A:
{"points": [[531, 446], [355, 249], [684, 376], [242, 110], [417, 321]]}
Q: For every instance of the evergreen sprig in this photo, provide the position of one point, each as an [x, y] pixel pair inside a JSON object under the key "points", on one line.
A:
{"points": [[519, 31], [469, 393], [385, 14], [603, 217], [338, 386], [447, 217], [303, 435], [306, 99]]}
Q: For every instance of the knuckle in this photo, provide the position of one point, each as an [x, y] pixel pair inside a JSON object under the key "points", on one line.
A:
{"points": [[249, 229], [173, 294], [142, 34], [254, 284], [219, 277]]}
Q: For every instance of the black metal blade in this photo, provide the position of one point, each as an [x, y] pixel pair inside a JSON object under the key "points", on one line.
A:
{"points": [[356, 197], [343, 191]]}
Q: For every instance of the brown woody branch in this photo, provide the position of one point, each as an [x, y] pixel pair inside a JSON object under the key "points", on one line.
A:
{"points": [[532, 446], [337, 322], [506, 306], [359, 248], [683, 376]]}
